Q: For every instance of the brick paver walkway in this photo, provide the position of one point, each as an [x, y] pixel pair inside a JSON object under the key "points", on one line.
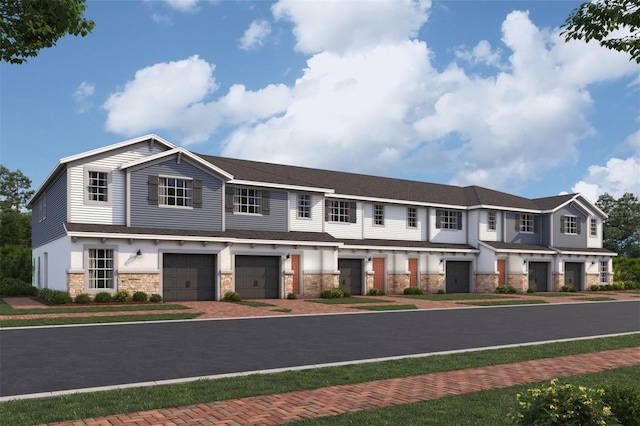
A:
{"points": [[335, 400]]}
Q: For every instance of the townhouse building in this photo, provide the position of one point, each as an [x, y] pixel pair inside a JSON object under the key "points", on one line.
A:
{"points": [[145, 215]]}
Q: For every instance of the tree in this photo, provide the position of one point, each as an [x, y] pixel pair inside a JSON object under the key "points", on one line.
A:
{"points": [[621, 231], [28, 26], [14, 189], [599, 19]]}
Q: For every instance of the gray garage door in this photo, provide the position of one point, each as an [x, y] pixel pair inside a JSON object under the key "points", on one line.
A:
{"points": [[457, 277], [351, 275], [258, 277], [538, 276], [188, 277], [573, 275]]}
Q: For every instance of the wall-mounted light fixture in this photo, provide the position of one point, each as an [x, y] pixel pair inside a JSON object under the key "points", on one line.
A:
{"points": [[441, 260], [593, 262], [138, 253], [524, 262], [369, 259], [287, 256]]}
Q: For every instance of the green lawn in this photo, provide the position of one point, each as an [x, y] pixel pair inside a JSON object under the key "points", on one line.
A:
{"points": [[6, 309], [505, 302], [385, 307], [95, 319], [456, 296], [561, 294], [348, 300], [253, 303], [78, 406], [597, 299]]}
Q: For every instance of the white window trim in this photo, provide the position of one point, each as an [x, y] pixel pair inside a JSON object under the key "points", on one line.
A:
{"points": [[380, 225], [593, 225], [566, 224], [87, 201], [522, 221], [161, 196], [114, 249], [308, 207], [415, 226], [343, 205], [42, 208], [604, 272], [495, 221], [236, 206]]}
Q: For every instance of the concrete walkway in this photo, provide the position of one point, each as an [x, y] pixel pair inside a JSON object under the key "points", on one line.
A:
{"points": [[336, 400]]}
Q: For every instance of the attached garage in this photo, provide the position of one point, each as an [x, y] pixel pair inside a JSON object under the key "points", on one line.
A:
{"points": [[351, 275], [538, 276], [188, 277], [258, 277], [573, 275], [457, 277]]}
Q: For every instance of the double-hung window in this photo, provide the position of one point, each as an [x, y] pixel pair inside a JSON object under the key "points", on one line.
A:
{"points": [[97, 186], [604, 272], [340, 211], [525, 223], [378, 214], [100, 269], [412, 217], [304, 206], [491, 221], [570, 225], [42, 210], [175, 192], [593, 227], [448, 219], [247, 200]]}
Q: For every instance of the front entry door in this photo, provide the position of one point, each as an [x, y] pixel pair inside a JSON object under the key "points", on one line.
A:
{"points": [[573, 275]]}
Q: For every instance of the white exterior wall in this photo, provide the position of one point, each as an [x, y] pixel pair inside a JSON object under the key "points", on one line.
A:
{"points": [[473, 227], [484, 233], [594, 242], [451, 236], [486, 262], [314, 224], [346, 230], [395, 224], [53, 265], [114, 213]]}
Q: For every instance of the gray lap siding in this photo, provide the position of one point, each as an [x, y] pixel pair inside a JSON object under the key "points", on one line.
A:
{"points": [[52, 227], [144, 214], [276, 220]]}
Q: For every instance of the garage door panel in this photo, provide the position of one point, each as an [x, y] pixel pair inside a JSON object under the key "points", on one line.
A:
{"points": [[351, 275], [538, 276], [457, 277], [188, 277], [257, 277]]}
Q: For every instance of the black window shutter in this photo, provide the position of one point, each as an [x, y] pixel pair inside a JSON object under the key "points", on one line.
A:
{"points": [[153, 190], [517, 223], [563, 224], [438, 218], [459, 220], [327, 205], [352, 212], [266, 202], [197, 194], [578, 225], [535, 223], [228, 198]]}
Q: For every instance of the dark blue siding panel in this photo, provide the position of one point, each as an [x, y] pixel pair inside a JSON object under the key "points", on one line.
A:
{"points": [[52, 226], [514, 236], [143, 214], [561, 239], [276, 220]]}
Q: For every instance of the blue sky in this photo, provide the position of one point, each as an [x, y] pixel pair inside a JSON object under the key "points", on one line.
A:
{"points": [[462, 92]]}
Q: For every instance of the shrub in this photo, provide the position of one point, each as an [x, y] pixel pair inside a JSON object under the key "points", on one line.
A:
{"points": [[231, 296], [618, 286], [511, 289], [375, 292], [60, 297], [412, 290], [501, 289], [440, 291], [530, 290], [15, 262], [102, 297], [121, 296], [607, 287], [82, 298], [568, 289], [45, 294], [630, 285], [10, 286], [563, 404], [140, 296], [155, 298], [292, 296], [594, 287], [624, 401], [346, 293], [334, 293]]}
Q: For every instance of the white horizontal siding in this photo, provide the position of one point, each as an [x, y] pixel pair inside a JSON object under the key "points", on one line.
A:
{"points": [[395, 224], [485, 234], [347, 230], [314, 224], [114, 213], [448, 236]]}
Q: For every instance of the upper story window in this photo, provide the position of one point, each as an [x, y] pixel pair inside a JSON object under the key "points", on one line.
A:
{"points": [[378, 214], [174, 191], [525, 223], [304, 206], [100, 269], [593, 227], [604, 272], [42, 209], [412, 217], [448, 219], [247, 200], [570, 225], [340, 211], [97, 187], [491, 221]]}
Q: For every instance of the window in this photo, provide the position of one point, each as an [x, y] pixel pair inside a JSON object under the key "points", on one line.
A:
{"points": [[42, 210], [570, 225], [525, 223], [247, 200], [304, 206], [604, 272], [100, 269], [491, 221], [593, 227], [378, 214], [340, 211], [412, 217], [448, 219], [175, 192], [97, 186]]}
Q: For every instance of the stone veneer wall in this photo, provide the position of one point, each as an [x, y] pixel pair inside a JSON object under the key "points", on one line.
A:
{"points": [[396, 283], [431, 283], [314, 284], [288, 284], [518, 281], [558, 281], [75, 284], [226, 283], [369, 283], [486, 283], [593, 279], [148, 283]]}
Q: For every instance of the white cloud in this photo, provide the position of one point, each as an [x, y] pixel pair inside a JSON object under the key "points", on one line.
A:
{"points": [[81, 96], [347, 26], [255, 34], [159, 18], [482, 53], [182, 5]]}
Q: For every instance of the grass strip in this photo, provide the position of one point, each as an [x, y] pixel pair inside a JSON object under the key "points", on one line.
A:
{"points": [[385, 307], [348, 300], [6, 309], [282, 310], [489, 407], [253, 303], [96, 404], [597, 299], [96, 319], [506, 302], [456, 296], [545, 294]]}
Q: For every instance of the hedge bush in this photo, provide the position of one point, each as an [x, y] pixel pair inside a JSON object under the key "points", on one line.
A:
{"points": [[292, 296], [121, 296], [375, 292], [155, 298], [412, 290], [231, 296], [334, 293], [83, 298], [506, 289], [55, 297], [624, 401], [10, 286], [568, 289], [139, 296], [102, 297]]}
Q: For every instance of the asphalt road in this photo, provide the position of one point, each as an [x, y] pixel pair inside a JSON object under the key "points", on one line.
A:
{"points": [[63, 358]]}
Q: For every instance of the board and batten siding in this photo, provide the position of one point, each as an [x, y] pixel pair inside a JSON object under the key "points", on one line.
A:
{"points": [[276, 220], [113, 212], [52, 226], [313, 224], [395, 224], [208, 217]]}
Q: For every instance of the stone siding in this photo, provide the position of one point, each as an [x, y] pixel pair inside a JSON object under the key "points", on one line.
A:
{"points": [[226, 283], [288, 284], [519, 282], [396, 283], [486, 283], [593, 279], [314, 284], [369, 283], [558, 281], [431, 283], [148, 283], [75, 284]]}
